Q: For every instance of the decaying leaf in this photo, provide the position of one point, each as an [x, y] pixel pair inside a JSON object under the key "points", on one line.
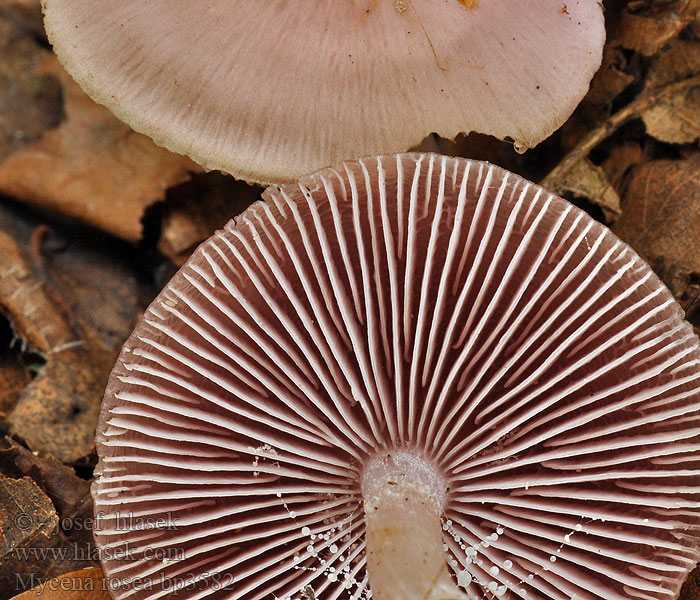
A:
{"points": [[611, 79], [69, 493], [14, 376], [676, 120], [196, 209], [92, 166], [27, 520], [86, 584], [647, 25], [620, 160], [590, 182], [30, 101], [61, 500], [661, 220], [57, 411]]}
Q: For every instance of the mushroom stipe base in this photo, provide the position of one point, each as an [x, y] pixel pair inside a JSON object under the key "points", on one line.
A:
{"points": [[404, 498]]}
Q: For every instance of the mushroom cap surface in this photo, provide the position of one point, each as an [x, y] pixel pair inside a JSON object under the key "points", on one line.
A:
{"points": [[269, 91], [439, 307]]}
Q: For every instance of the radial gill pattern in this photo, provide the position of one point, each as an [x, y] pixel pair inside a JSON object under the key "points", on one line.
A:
{"points": [[439, 306]]}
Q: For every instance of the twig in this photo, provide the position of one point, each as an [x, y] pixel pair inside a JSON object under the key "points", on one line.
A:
{"points": [[633, 110]]}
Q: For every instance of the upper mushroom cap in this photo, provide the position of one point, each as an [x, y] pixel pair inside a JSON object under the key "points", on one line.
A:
{"points": [[416, 303], [269, 91]]}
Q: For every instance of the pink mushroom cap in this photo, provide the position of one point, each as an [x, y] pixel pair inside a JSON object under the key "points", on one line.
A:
{"points": [[269, 91]]}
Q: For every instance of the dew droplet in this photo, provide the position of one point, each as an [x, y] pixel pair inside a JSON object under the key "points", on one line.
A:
{"points": [[493, 585], [305, 531], [464, 578], [333, 548], [553, 559], [494, 570], [508, 564]]}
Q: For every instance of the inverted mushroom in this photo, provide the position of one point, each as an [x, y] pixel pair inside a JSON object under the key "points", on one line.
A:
{"points": [[271, 91], [416, 375]]}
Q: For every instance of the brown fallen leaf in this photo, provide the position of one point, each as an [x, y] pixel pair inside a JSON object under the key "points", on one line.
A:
{"points": [[590, 182], [661, 220], [676, 120], [30, 100], [69, 493], [65, 498], [14, 376], [197, 208], [647, 25], [611, 79], [621, 158], [92, 166], [27, 520], [57, 412], [27, 13]]}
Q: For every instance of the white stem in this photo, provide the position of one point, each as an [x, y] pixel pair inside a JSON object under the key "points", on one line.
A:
{"points": [[404, 498]]}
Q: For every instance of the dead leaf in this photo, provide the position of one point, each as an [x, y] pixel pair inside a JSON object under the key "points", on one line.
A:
{"points": [[676, 120], [69, 493], [611, 79], [92, 166], [30, 101], [14, 376], [661, 220], [620, 160], [27, 13], [588, 181], [68, 542], [57, 412], [196, 209], [653, 24], [28, 520]]}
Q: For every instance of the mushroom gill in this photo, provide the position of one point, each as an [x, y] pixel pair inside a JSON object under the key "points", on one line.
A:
{"points": [[410, 367]]}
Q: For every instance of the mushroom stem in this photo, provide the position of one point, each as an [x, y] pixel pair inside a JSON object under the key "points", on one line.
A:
{"points": [[404, 497]]}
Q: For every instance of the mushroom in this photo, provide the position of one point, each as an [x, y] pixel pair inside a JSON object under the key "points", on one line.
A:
{"points": [[407, 377], [269, 91]]}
